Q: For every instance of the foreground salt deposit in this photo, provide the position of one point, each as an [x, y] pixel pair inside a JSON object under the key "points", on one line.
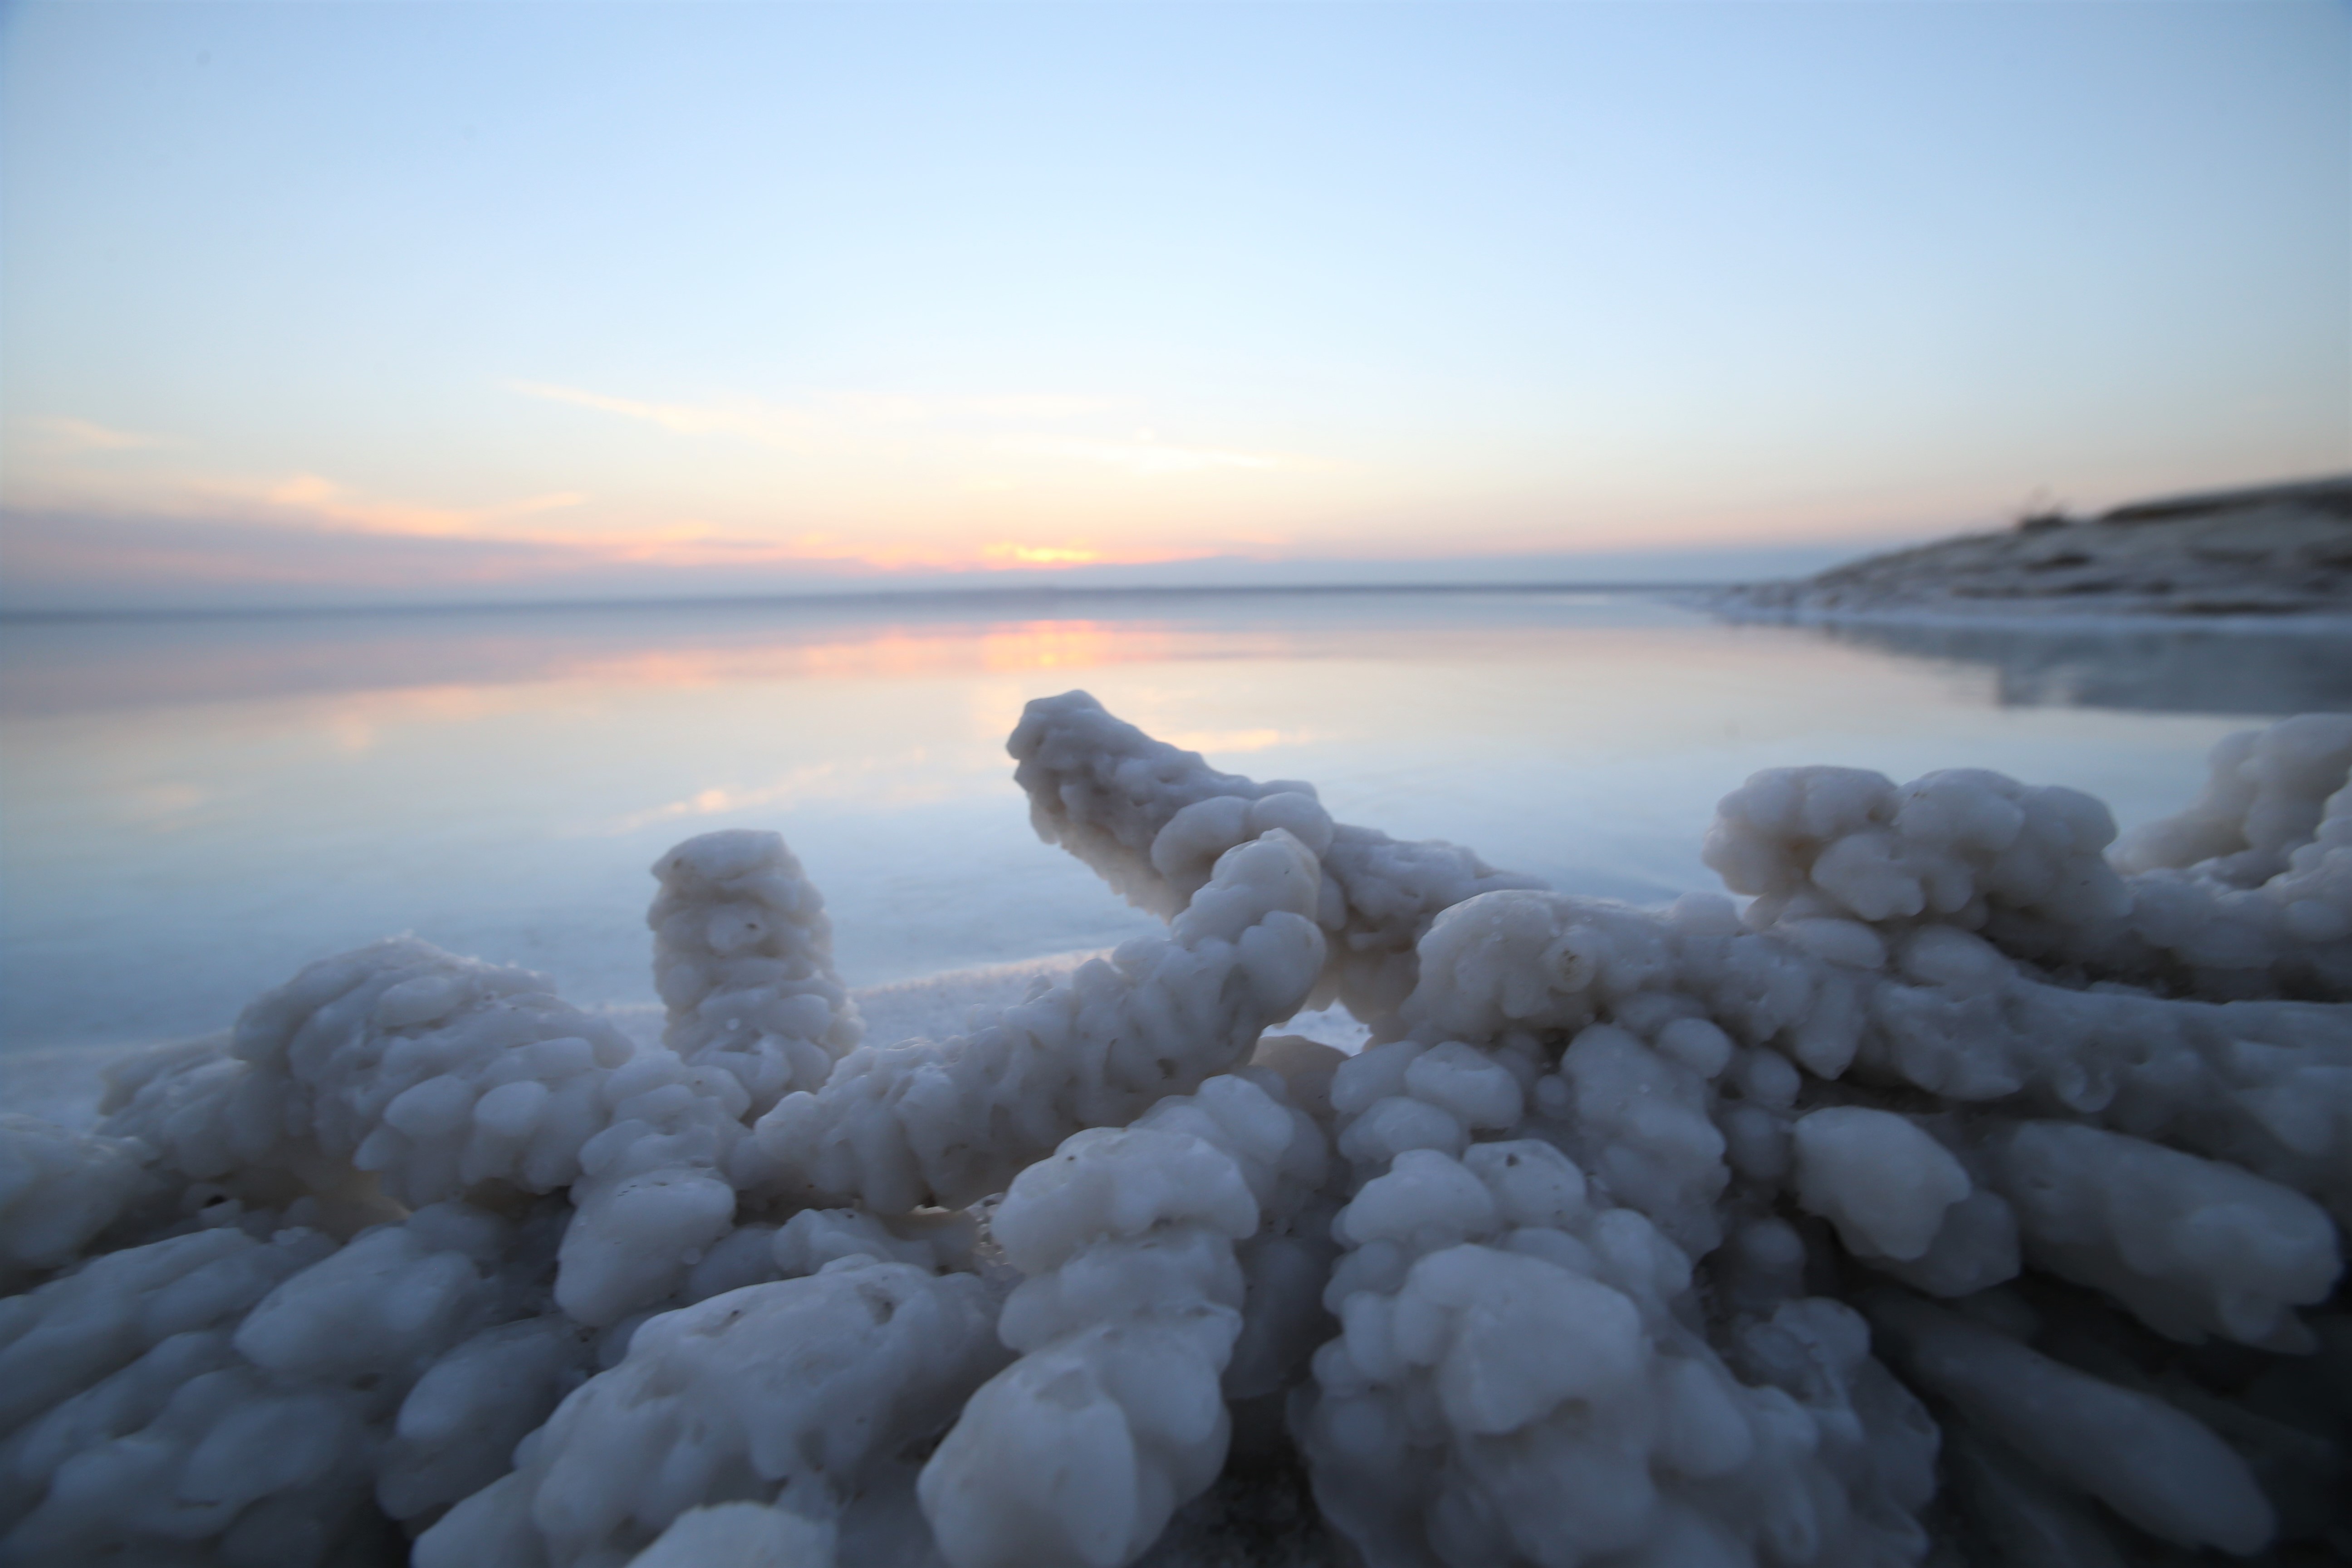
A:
{"points": [[1977, 1188]]}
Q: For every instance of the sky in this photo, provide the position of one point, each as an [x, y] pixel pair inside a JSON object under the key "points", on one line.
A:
{"points": [[376, 302]]}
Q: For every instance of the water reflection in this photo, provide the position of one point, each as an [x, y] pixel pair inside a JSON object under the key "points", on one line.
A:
{"points": [[194, 808], [2164, 670], [82, 665], [68, 663]]}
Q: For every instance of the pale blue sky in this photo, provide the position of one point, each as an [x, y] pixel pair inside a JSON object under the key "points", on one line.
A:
{"points": [[412, 300]]}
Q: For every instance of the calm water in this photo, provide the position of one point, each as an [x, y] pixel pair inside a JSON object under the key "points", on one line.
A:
{"points": [[192, 809]]}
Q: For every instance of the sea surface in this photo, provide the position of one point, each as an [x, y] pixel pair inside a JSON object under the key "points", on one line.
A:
{"points": [[192, 808]]}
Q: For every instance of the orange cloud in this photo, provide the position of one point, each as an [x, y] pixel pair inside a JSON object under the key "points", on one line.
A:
{"points": [[326, 502], [699, 545], [871, 517], [952, 430], [69, 435], [329, 505], [828, 413]]}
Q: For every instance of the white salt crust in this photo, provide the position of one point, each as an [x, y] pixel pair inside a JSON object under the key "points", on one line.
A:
{"points": [[1973, 1193]]}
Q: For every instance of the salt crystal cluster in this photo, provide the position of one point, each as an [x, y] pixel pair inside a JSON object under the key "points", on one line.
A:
{"points": [[1152, 820], [928, 1123], [1973, 1192], [743, 960], [1125, 1317]]}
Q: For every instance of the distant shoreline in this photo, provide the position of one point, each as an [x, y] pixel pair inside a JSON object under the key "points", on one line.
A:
{"points": [[2277, 557], [2299, 623], [2273, 557]]}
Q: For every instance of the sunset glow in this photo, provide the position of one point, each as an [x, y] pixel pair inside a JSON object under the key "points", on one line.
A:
{"points": [[354, 304], [1003, 648]]}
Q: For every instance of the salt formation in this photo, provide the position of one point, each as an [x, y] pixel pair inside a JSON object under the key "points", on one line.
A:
{"points": [[58, 1189], [805, 1390], [743, 958], [1152, 820], [950, 1123], [1127, 1319], [1974, 1192]]}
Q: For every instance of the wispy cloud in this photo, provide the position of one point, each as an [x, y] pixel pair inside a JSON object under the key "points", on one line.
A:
{"points": [[1046, 407], [97, 558], [878, 486], [323, 501], [771, 423], [314, 502], [1135, 457], [63, 433], [820, 413], [54, 482], [966, 430], [827, 417]]}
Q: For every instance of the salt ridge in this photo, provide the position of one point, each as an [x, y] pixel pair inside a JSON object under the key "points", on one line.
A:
{"points": [[1975, 1187]]}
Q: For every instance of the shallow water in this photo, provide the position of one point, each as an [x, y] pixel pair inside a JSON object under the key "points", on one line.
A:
{"points": [[191, 809]]}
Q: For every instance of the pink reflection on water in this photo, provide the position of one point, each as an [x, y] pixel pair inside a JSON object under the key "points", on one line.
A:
{"points": [[195, 808]]}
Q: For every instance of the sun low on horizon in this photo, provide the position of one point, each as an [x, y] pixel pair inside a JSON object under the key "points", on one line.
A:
{"points": [[376, 302]]}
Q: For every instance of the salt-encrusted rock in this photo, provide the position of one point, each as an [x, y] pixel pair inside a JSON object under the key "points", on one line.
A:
{"points": [[1884, 1183], [739, 1535], [1701, 1065], [1076, 1454], [422, 1249], [1152, 819], [2190, 1246], [72, 1333], [438, 1076], [2265, 797], [2251, 887], [2148, 1460], [1957, 847], [743, 959], [1516, 1382], [656, 1186], [234, 1396], [2247, 893], [947, 1123], [457, 1429], [800, 1392], [2263, 1084], [58, 1189], [430, 1072]]}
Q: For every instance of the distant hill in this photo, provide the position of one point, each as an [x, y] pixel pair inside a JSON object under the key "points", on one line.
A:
{"points": [[2268, 550]]}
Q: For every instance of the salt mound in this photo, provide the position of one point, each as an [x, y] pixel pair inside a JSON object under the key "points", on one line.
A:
{"points": [[1974, 1191]]}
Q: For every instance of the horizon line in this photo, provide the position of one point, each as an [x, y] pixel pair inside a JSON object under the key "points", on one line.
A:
{"points": [[835, 596]]}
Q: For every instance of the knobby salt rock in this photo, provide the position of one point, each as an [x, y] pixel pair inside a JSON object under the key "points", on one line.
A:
{"points": [[1976, 1186]]}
